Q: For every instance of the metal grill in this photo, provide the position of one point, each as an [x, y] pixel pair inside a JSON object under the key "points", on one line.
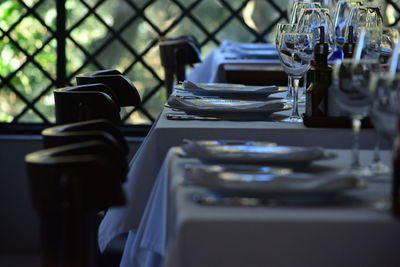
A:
{"points": [[60, 50]]}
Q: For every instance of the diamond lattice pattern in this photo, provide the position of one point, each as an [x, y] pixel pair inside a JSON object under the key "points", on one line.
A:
{"points": [[119, 34]]}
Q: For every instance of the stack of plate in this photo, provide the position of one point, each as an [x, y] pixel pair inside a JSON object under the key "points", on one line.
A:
{"points": [[259, 168], [228, 101]]}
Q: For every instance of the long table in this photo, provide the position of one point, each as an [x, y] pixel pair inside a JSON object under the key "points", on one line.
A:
{"points": [[356, 229], [167, 133]]}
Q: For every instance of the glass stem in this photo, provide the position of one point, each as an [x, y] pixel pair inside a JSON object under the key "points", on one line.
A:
{"points": [[377, 156], [304, 84], [295, 110], [356, 123], [289, 94]]}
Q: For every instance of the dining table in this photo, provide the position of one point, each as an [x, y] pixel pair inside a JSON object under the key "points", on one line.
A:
{"points": [[247, 63], [148, 190], [187, 224]]}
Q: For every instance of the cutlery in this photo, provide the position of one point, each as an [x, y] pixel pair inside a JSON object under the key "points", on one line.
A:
{"points": [[175, 116]]}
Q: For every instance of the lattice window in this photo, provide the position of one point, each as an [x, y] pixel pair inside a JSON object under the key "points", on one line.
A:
{"points": [[44, 44]]}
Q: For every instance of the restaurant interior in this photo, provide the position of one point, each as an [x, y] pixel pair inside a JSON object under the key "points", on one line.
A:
{"points": [[199, 133]]}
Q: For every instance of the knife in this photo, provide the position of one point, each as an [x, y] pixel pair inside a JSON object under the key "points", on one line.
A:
{"points": [[175, 116]]}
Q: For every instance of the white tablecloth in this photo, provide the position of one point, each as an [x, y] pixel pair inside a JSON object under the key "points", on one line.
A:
{"points": [[351, 232], [167, 133]]}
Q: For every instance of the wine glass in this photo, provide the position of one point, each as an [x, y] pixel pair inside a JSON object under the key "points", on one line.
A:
{"points": [[298, 6], [296, 52], [342, 12], [390, 36], [330, 4], [383, 87], [369, 43], [284, 28], [350, 88], [310, 21], [363, 17]]}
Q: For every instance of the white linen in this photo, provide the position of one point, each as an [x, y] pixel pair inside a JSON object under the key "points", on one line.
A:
{"points": [[228, 52], [167, 133], [172, 218]]}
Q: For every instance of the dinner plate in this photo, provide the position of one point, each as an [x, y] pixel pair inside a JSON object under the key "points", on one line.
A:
{"points": [[251, 179], [256, 153], [226, 146]]}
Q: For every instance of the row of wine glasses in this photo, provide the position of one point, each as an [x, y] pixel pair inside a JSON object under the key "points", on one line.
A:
{"points": [[304, 30], [358, 28], [365, 86]]}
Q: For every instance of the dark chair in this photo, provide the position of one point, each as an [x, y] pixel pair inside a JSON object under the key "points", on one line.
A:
{"points": [[69, 185], [86, 102], [124, 90], [176, 53], [101, 130]]}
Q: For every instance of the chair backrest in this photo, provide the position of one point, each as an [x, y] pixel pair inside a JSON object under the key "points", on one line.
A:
{"points": [[176, 53], [69, 185], [125, 91], [101, 130], [86, 102]]}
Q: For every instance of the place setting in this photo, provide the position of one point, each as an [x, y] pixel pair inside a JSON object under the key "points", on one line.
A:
{"points": [[243, 51], [225, 101], [233, 171]]}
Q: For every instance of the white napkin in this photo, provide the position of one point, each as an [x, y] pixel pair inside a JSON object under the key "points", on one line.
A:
{"points": [[224, 105], [228, 88]]}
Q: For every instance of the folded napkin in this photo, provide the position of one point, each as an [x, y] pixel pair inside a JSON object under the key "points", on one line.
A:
{"points": [[227, 109], [270, 180], [224, 105], [228, 88], [248, 46], [249, 50]]}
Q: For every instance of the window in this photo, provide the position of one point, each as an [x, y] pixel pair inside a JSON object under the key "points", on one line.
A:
{"points": [[44, 44]]}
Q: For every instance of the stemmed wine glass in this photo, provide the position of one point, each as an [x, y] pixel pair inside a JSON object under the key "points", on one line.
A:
{"points": [[390, 37], [297, 7], [368, 43], [363, 17], [296, 52], [294, 17], [310, 21], [382, 88], [350, 87], [280, 29], [342, 12]]}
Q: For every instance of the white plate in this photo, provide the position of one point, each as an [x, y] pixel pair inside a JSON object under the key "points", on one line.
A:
{"points": [[257, 153], [269, 180], [226, 146]]}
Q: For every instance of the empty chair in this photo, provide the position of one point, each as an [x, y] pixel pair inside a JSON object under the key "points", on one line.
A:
{"points": [[188, 38], [69, 185], [124, 90], [100, 129], [176, 53], [86, 102]]}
